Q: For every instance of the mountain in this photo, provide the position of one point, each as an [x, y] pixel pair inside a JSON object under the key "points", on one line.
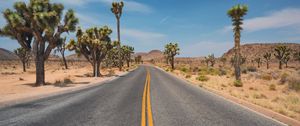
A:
{"points": [[7, 55], [252, 51], [153, 54]]}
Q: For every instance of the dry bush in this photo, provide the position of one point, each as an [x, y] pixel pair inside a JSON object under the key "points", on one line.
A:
{"points": [[283, 78], [238, 83], [272, 87], [294, 83], [202, 78], [266, 77]]}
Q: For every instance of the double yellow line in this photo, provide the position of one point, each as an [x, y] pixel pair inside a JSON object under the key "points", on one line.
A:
{"points": [[146, 102]]}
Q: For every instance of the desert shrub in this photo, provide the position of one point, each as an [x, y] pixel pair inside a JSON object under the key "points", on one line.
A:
{"points": [[21, 79], [184, 69], [266, 77], [67, 81], [259, 96], [244, 70], [294, 83], [251, 69], [238, 83], [195, 69], [63, 83], [188, 76], [222, 72], [202, 78], [283, 78], [272, 87]]}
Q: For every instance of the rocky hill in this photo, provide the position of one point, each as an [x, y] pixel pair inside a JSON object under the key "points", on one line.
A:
{"points": [[153, 54], [7, 55], [251, 51]]}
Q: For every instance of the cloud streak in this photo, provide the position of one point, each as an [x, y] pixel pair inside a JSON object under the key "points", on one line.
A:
{"points": [[288, 17]]}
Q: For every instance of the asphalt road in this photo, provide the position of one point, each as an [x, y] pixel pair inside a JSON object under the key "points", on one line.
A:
{"points": [[168, 101]]}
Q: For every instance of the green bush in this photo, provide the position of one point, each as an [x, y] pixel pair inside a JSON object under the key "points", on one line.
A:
{"points": [[266, 77], [251, 69], [202, 78], [283, 78], [188, 76], [294, 83], [238, 83], [208, 71], [67, 81], [272, 87], [222, 72], [184, 69]]}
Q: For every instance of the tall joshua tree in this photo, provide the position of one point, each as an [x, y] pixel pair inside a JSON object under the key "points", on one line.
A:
{"points": [[212, 59], [286, 59], [117, 8], [127, 51], [61, 48], [280, 53], [236, 14], [39, 20], [267, 57], [258, 61], [93, 44], [171, 50], [23, 55]]}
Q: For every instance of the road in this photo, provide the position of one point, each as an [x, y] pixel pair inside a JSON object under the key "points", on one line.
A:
{"points": [[145, 96]]}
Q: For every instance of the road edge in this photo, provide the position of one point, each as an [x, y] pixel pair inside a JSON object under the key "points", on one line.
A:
{"points": [[285, 120], [12, 102]]}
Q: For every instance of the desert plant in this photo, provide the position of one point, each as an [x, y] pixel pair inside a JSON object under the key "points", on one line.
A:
{"points": [[41, 20], [283, 78], [138, 59], [297, 56], [223, 60], [61, 48], [238, 83], [258, 61], [272, 87], [171, 50], [267, 57], [24, 56], [117, 8], [93, 44], [202, 78], [294, 83], [266, 77], [286, 59], [127, 51], [281, 52], [212, 59], [236, 13], [206, 60], [251, 69]]}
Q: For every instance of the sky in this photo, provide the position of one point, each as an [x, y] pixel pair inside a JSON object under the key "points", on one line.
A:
{"points": [[200, 27]]}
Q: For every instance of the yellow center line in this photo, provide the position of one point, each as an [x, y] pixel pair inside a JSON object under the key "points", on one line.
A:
{"points": [[146, 101]]}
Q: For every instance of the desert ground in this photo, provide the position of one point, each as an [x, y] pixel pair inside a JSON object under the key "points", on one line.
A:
{"points": [[16, 84], [274, 89]]}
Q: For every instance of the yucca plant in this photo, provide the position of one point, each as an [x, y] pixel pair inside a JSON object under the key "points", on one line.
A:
{"points": [[24, 56], [117, 9], [41, 21], [93, 44], [127, 52], [171, 50], [258, 61], [281, 53], [61, 48], [236, 13], [267, 57]]}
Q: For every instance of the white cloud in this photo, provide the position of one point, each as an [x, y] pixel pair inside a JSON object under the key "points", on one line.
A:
{"points": [[129, 5], [164, 19], [205, 48], [142, 36], [289, 17]]}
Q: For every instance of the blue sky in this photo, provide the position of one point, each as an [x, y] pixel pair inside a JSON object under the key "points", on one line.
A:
{"points": [[201, 27]]}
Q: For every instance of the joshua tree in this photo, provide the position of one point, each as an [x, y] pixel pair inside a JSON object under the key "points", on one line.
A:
{"points": [[223, 60], [93, 44], [280, 53], [267, 57], [41, 20], [236, 13], [258, 61], [297, 56], [171, 50], [117, 10], [212, 59], [206, 60], [23, 55], [127, 51], [111, 59], [61, 48], [138, 59], [286, 59]]}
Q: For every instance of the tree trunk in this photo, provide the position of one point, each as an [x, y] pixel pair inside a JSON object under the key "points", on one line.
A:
{"points": [[286, 65], [40, 70], [128, 63], [237, 69], [280, 65], [258, 65], [172, 63], [267, 65], [64, 60], [24, 66], [119, 45]]}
